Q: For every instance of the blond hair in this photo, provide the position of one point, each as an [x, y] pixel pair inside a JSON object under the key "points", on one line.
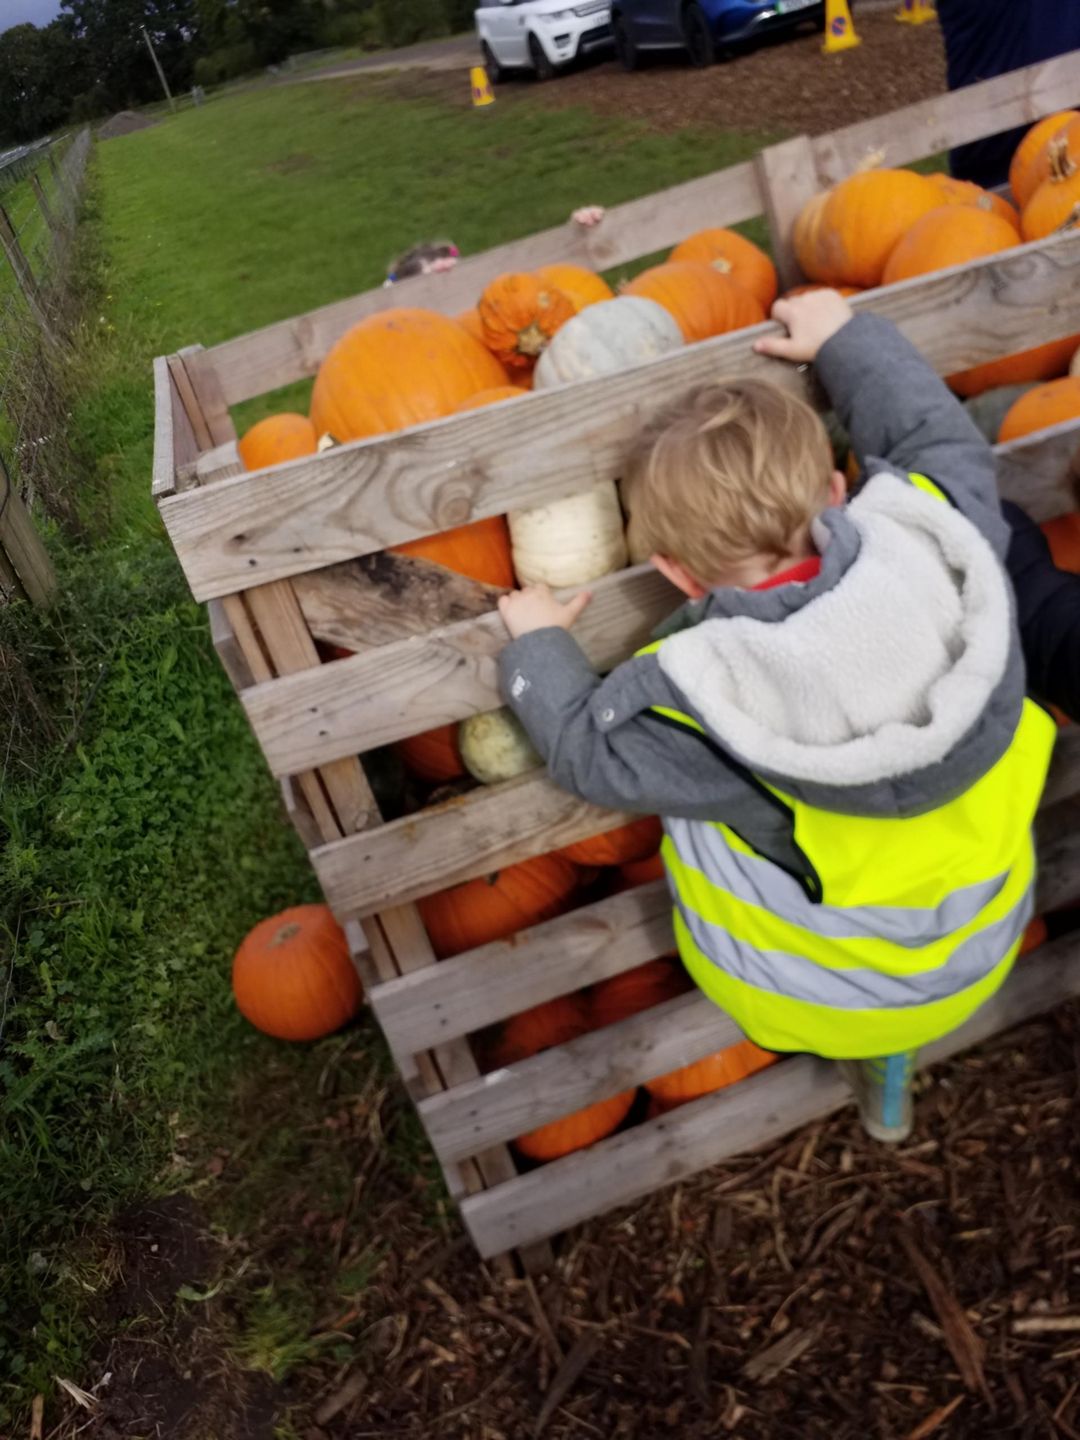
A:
{"points": [[728, 473]]}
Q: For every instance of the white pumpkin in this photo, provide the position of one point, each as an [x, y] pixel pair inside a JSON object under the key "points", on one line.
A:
{"points": [[609, 336], [495, 746]]}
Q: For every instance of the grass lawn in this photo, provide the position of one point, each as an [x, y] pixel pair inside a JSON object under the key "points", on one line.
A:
{"points": [[145, 837]]}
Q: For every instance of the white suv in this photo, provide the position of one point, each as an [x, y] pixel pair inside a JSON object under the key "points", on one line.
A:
{"points": [[540, 35]]}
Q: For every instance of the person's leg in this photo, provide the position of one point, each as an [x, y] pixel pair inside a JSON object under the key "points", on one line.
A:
{"points": [[1048, 613], [882, 1088]]}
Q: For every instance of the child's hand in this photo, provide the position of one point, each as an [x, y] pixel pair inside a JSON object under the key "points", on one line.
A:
{"points": [[811, 320], [535, 608], [588, 216]]}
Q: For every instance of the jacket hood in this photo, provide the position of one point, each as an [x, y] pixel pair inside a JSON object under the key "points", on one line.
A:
{"points": [[877, 669]]}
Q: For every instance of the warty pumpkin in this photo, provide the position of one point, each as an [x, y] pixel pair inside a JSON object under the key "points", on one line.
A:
{"points": [[433, 755], [1056, 203], [966, 192], [845, 235], [1038, 409], [519, 314], [1025, 172], [715, 1072], [1044, 362], [952, 235], [730, 253], [636, 841], [495, 906], [398, 368], [580, 286], [701, 300], [495, 746], [276, 439], [293, 977], [607, 338], [636, 990]]}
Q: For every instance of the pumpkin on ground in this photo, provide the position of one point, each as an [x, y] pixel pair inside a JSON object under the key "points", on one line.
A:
{"points": [[495, 906], [726, 1067], [636, 990], [1038, 409], [555, 1023], [1056, 203], [519, 314], [607, 338], [490, 397], [1063, 536], [701, 300], [293, 976], [433, 755], [580, 286], [636, 841], [1025, 172], [495, 746], [845, 235], [398, 368], [952, 235], [1044, 362], [732, 254], [276, 439], [480, 550], [966, 192]]}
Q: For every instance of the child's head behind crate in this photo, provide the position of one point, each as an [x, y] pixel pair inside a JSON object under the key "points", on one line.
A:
{"points": [[726, 482]]}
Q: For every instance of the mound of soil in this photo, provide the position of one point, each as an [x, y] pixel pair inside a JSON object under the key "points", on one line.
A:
{"points": [[125, 122]]}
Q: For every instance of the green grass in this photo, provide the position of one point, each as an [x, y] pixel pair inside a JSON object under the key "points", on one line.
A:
{"points": [[148, 838]]}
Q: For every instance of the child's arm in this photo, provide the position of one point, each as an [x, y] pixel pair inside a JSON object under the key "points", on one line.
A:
{"points": [[893, 405]]}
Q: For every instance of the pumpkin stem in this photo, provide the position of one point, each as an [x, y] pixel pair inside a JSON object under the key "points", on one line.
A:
{"points": [[722, 264], [1062, 165], [1071, 220], [531, 341]]}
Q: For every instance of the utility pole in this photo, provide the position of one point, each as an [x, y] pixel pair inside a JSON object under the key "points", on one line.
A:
{"points": [[157, 67]]}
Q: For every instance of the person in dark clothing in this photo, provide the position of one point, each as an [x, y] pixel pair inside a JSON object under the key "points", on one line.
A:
{"points": [[984, 38], [1048, 614]]}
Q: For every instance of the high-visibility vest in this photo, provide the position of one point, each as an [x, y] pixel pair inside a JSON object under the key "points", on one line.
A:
{"points": [[888, 934]]}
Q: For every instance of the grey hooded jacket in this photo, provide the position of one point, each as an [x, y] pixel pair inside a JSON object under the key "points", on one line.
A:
{"points": [[884, 687]]}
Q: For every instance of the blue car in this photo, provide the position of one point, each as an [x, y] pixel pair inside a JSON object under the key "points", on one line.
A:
{"points": [[703, 28]]}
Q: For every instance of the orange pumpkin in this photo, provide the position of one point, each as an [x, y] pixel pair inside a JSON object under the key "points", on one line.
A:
{"points": [[630, 842], [732, 254], [276, 439], [491, 397], [580, 286], [1069, 137], [952, 235], [480, 550], [399, 368], [469, 320], [1035, 935], [635, 990], [699, 298], [519, 314], [845, 236], [1056, 203], [639, 872], [966, 192], [1044, 362], [1042, 407], [1063, 536], [1025, 172], [726, 1067], [845, 290], [524, 1035], [293, 977], [493, 907], [433, 755]]}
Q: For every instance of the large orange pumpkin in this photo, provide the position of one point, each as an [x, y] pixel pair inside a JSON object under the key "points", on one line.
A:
{"points": [[635, 990], [433, 755], [399, 368], [726, 1067], [732, 254], [1063, 536], [519, 314], [952, 235], [966, 192], [1025, 171], [524, 1035], [1042, 407], [580, 286], [293, 977], [480, 550], [630, 842], [1056, 203], [701, 300], [276, 439], [493, 907], [1044, 362], [1069, 138], [845, 236]]}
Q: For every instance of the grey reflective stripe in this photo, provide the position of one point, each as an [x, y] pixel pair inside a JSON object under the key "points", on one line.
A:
{"points": [[859, 988], [757, 881]]}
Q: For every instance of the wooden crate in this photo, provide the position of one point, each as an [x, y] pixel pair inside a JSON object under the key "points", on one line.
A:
{"points": [[295, 555]]}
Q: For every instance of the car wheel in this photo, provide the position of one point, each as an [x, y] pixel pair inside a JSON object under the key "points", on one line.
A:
{"points": [[628, 53], [545, 70], [698, 36], [495, 72]]}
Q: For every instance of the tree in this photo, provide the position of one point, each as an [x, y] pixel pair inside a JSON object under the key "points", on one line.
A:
{"points": [[39, 74], [110, 34]]}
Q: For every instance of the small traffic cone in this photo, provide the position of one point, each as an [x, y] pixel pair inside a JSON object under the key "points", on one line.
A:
{"points": [[482, 93], [916, 12], [839, 28]]}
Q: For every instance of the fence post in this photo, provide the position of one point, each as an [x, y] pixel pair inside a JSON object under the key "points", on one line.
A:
{"points": [[787, 176], [44, 206], [21, 544], [23, 273]]}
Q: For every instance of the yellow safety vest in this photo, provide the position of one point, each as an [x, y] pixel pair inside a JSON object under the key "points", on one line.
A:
{"points": [[891, 934]]}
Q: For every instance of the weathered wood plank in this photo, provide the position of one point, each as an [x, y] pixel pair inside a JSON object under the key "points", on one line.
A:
{"points": [[293, 349], [227, 647], [468, 992], [22, 546], [787, 181], [1041, 472], [359, 498], [745, 1117], [164, 464], [221, 463], [432, 679]]}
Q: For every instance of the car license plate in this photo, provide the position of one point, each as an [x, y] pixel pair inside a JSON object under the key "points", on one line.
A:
{"points": [[785, 7]]}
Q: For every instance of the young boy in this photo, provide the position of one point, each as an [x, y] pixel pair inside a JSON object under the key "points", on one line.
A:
{"points": [[840, 747]]}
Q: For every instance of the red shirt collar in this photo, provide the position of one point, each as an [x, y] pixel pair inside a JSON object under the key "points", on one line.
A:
{"points": [[796, 575]]}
